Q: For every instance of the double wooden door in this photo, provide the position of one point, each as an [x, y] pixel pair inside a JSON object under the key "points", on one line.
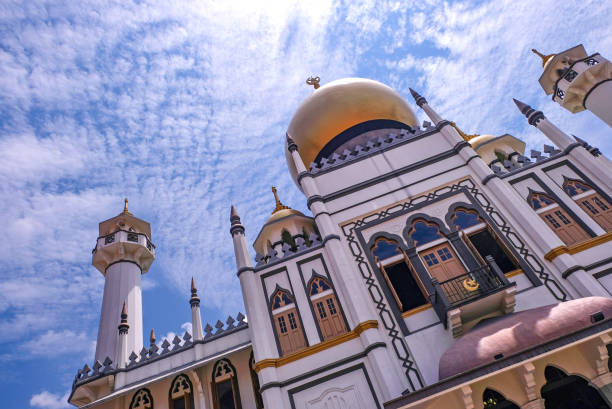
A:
{"points": [[598, 208], [442, 262], [328, 316], [289, 331], [564, 226]]}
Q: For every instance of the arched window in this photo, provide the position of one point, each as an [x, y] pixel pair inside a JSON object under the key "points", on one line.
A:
{"points": [[590, 201], [225, 386], [495, 400], [569, 392], [142, 399], [255, 381], [439, 258], [326, 308], [181, 393], [557, 218], [403, 282], [287, 322], [482, 240]]}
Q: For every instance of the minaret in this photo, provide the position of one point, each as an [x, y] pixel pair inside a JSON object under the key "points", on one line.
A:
{"points": [[422, 103], [196, 317], [123, 253], [578, 81], [122, 348]]}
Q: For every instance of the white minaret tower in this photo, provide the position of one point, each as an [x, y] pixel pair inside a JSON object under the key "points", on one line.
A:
{"points": [[578, 81], [123, 253]]}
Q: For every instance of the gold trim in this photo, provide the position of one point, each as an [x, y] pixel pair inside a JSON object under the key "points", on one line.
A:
{"points": [[279, 205], [275, 363], [416, 310], [544, 58], [578, 247], [514, 272], [465, 136]]}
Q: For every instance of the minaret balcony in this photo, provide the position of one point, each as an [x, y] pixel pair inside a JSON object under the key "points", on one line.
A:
{"points": [[464, 300], [123, 245]]}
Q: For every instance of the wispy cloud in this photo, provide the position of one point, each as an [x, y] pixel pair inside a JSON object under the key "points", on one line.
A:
{"points": [[48, 400]]}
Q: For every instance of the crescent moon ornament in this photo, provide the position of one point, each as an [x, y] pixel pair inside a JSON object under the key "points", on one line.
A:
{"points": [[314, 81], [470, 285]]}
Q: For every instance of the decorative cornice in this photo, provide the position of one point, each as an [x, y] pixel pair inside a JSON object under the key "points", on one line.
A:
{"points": [[488, 178], [275, 363], [578, 247], [312, 199], [331, 237], [236, 228], [243, 269], [302, 175]]}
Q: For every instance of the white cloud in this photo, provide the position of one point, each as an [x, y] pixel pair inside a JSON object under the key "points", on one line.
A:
{"points": [[48, 400]]}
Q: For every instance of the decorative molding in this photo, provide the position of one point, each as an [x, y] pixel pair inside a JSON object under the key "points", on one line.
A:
{"points": [[578, 247], [276, 362]]}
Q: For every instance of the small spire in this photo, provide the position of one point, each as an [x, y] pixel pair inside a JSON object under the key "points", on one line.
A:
{"points": [[314, 81], [236, 226], [417, 97], [194, 300], [533, 116], [463, 134], [123, 325], [544, 58], [234, 214], [291, 145], [279, 205], [152, 337], [125, 206]]}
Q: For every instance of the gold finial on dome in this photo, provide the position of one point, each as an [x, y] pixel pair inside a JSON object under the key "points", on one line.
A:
{"points": [[544, 58], [125, 206], [314, 81], [279, 205], [465, 136]]}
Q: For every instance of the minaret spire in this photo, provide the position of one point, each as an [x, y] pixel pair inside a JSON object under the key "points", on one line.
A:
{"points": [[122, 345], [545, 58], [125, 206], [422, 103], [533, 116], [279, 205], [196, 317], [152, 338]]}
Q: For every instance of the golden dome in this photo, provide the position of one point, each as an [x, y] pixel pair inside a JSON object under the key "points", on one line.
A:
{"points": [[336, 107]]}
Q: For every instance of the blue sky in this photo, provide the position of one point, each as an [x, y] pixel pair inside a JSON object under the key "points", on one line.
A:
{"points": [[182, 107]]}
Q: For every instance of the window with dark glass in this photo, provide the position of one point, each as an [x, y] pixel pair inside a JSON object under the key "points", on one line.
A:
{"points": [[225, 386], [399, 276]]}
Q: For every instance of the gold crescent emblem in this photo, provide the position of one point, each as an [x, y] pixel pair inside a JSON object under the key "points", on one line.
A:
{"points": [[314, 81], [470, 285]]}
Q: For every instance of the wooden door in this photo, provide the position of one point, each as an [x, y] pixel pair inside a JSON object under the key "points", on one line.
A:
{"points": [[289, 331], [564, 226], [598, 208], [442, 262], [328, 316]]}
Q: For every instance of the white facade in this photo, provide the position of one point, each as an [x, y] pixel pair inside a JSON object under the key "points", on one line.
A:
{"points": [[330, 325]]}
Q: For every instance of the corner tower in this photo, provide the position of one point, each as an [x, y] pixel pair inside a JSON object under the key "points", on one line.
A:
{"points": [[123, 253], [578, 81]]}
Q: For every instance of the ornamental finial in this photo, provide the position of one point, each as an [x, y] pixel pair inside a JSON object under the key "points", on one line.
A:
{"points": [[544, 58], [125, 206], [279, 205], [314, 81], [152, 337], [465, 136]]}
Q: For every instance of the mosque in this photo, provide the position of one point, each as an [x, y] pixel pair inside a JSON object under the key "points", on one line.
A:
{"points": [[438, 270]]}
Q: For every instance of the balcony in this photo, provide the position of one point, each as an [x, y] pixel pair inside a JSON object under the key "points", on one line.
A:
{"points": [[463, 301]]}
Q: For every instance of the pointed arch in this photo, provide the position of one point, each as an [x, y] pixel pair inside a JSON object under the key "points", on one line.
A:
{"points": [[224, 385], [255, 382], [286, 321], [180, 395], [325, 307], [422, 229], [557, 218], [142, 399], [563, 391]]}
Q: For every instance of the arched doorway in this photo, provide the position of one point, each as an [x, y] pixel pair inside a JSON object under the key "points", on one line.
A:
{"points": [[495, 400], [569, 392]]}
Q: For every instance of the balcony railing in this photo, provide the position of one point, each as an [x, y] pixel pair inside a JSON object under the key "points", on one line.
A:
{"points": [[466, 288]]}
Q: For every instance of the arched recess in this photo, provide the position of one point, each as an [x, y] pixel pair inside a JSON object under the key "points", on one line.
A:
{"points": [[480, 238], [325, 307], [142, 399], [557, 218], [401, 277], [563, 391], [589, 200], [491, 399], [287, 323], [180, 395], [225, 386], [255, 382], [429, 235]]}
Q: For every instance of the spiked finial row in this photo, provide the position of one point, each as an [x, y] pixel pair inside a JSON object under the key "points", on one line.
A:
{"points": [[194, 300], [123, 325], [533, 116], [417, 98]]}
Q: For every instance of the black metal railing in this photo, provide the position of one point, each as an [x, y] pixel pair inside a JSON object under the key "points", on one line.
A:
{"points": [[467, 287]]}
